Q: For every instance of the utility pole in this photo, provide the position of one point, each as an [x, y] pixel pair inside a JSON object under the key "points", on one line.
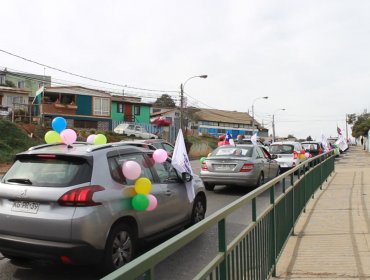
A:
{"points": [[182, 107], [346, 127], [273, 128]]}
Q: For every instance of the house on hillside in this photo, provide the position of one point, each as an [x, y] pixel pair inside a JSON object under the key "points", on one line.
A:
{"points": [[130, 109], [165, 116], [13, 99], [25, 81], [216, 122], [81, 107]]}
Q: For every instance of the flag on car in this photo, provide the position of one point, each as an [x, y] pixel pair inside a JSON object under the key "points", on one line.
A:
{"points": [[324, 141], [254, 139], [342, 143], [180, 161], [229, 138], [339, 130]]}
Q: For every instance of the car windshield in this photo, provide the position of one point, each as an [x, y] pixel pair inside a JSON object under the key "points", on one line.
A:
{"points": [[233, 151], [49, 171], [281, 149]]}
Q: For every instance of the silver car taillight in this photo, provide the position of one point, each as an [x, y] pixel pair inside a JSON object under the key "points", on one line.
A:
{"points": [[80, 197], [247, 167]]}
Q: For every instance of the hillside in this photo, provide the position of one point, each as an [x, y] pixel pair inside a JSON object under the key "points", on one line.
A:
{"points": [[13, 140]]}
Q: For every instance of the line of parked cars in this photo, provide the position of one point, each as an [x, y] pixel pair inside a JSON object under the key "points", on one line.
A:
{"points": [[73, 204]]}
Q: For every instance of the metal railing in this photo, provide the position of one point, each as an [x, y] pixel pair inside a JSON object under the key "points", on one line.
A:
{"points": [[254, 252]]}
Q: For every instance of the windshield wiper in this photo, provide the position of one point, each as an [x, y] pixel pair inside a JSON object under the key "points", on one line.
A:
{"points": [[20, 180]]}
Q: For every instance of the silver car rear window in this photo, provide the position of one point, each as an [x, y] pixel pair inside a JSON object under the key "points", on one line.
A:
{"points": [[233, 151], [49, 171], [281, 149]]}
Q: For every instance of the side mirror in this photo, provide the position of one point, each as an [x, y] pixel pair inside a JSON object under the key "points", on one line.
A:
{"points": [[186, 177]]}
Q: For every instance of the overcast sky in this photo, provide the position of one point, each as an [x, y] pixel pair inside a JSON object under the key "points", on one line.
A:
{"points": [[310, 57]]}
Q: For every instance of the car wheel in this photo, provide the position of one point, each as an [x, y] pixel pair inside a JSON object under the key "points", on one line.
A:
{"points": [[209, 187], [260, 181], [120, 247], [199, 210]]}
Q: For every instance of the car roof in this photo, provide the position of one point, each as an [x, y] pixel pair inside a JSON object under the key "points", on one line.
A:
{"points": [[311, 142], [76, 149], [285, 142]]}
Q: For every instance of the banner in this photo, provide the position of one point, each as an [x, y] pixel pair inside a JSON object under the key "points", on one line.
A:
{"points": [[254, 139]]}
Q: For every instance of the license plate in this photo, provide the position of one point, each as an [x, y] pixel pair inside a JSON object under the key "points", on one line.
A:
{"points": [[26, 207], [224, 166]]}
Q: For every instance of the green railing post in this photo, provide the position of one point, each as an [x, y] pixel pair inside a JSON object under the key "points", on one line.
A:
{"points": [[272, 201], [222, 247]]}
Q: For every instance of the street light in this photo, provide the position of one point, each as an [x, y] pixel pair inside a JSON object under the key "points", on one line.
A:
{"points": [[182, 100], [263, 97], [273, 123]]}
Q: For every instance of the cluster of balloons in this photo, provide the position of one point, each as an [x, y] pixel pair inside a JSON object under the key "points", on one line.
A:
{"points": [[97, 139], [304, 155], [204, 158], [62, 134], [143, 200]]}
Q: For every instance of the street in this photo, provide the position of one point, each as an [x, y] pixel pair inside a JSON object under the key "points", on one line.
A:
{"points": [[183, 264]]}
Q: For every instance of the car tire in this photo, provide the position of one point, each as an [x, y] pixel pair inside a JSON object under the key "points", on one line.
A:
{"points": [[261, 180], [199, 210], [209, 187], [120, 247]]}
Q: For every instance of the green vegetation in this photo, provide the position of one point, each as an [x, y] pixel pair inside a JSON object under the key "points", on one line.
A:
{"points": [[12, 141], [360, 126]]}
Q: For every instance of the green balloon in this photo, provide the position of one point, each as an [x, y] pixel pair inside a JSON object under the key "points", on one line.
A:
{"points": [[100, 139], [202, 159], [140, 202], [52, 137]]}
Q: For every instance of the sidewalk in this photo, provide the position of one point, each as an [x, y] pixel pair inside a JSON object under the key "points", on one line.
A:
{"points": [[332, 239]]}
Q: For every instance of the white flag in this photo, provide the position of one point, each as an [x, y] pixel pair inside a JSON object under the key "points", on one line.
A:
{"points": [[180, 161], [342, 143], [324, 142], [254, 139]]}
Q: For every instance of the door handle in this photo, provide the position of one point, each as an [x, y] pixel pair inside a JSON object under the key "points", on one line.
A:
{"points": [[168, 192]]}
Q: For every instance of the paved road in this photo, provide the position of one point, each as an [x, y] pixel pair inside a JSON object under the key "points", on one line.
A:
{"points": [[182, 263]]}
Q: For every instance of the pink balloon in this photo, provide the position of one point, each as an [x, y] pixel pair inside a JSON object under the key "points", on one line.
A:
{"points": [[90, 139], [68, 136], [131, 169], [306, 155], [152, 202], [160, 155]]}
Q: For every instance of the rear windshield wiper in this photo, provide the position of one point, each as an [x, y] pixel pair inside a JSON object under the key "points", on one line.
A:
{"points": [[20, 180]]}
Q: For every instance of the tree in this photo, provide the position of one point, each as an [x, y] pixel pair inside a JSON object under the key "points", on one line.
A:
{"points": [[361, 126], [165, 101], [351, 118], [309, 138]]}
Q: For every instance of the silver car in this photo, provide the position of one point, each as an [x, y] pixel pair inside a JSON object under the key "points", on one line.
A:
{"points": [[245, 165], [73, 205], [289, 154]]}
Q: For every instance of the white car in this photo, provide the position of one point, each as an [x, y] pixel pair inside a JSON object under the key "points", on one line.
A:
{"points": [[134, 130], [289, 153]]}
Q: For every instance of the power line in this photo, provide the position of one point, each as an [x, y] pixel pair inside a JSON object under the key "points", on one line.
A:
{"points": [[70, 83], [82, 76]]}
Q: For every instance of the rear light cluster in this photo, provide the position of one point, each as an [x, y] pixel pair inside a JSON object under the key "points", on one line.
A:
{"points": [[204, 166], [80, 197], [295, 155], [247, 167]]}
